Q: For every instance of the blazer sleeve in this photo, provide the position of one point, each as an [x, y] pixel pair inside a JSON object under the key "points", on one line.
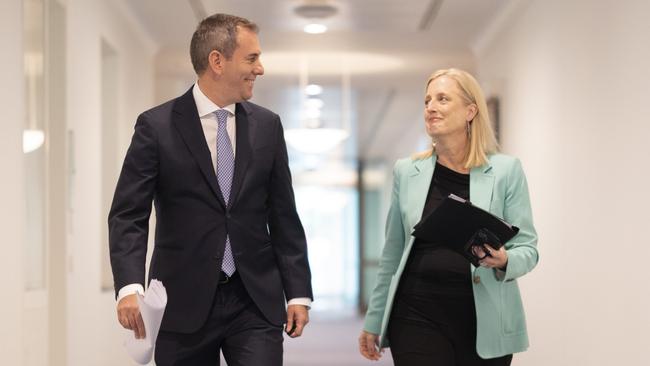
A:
{"points": [[128, 219], [522, 249], [390, 258], [287, 234]]}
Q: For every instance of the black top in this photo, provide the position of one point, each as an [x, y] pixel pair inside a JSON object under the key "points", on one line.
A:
{"points": [[432, 267]]}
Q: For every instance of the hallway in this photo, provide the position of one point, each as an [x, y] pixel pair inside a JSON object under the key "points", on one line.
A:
{"points": [[566, 81], [329, 342]]}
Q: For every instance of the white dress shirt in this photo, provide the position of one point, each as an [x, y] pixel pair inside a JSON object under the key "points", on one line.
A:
{"points": [[206, 109]]}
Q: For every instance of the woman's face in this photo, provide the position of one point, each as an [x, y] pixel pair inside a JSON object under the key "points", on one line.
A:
{"points": [[445, 111]]}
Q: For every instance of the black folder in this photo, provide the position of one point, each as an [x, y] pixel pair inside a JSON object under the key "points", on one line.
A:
{"points": [[460, 225]]}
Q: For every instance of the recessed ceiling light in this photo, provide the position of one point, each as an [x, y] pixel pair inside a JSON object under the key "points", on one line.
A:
{"points": [[313, 89], [315, 28]]}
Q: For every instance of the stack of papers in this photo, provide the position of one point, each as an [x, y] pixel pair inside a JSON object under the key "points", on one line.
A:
{"points": [[152, 307]]}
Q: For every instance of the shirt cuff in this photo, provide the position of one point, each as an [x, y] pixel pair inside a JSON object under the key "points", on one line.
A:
{"points": [[301, 301], [130, 290]]}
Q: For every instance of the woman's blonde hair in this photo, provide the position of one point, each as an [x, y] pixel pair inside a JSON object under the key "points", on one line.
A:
{"points": [[482, 140]]}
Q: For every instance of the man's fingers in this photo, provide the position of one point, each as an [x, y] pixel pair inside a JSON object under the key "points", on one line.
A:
{"points": [[297, 319], [128, 314], [140, 323], [289, 325], [298, 331], [300, 326], [134, 326], [124, 321]]}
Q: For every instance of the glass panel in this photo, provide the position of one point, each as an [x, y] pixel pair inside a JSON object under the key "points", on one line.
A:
{"points": [[330, 216], [376, 185]]}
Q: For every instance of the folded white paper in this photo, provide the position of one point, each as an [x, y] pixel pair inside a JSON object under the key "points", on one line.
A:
{"points": [[152, 307]]}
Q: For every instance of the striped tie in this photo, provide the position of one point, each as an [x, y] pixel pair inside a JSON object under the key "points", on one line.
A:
{"points": [[225, 172]]}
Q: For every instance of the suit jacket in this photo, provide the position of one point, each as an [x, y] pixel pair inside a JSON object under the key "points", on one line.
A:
{"points": [[498, 186], [169, 162]]}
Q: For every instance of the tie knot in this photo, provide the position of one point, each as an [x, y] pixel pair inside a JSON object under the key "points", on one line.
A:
{"points": [[222, 115]]}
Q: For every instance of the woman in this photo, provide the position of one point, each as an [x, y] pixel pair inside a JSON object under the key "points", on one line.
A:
{"points": [[429, 303]]}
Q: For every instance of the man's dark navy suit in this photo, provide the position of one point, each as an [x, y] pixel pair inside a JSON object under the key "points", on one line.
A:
{"points": [[169, 162]]}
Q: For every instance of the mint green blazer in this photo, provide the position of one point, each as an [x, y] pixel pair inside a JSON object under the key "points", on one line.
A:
{"points": [[500, 187]]}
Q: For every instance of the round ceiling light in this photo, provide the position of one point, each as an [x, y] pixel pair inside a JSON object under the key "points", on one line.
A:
{"points": [[315, 28], [313, 89]]}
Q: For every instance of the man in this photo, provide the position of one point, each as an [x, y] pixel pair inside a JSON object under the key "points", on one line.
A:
{"points": [[229, 244]]}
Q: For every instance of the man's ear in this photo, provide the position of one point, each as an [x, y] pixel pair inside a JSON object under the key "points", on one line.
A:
{"points": [[215, 62], [472, 110]]}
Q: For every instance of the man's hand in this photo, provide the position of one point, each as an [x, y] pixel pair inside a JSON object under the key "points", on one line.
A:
{"points": [[369, 346], [128, 314], [297, 319]]}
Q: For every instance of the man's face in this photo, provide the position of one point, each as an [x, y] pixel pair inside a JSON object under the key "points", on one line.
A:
{"points": [[244, 66]]}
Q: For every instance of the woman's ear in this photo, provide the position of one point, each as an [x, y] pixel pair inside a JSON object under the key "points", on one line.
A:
{"points": [[472, 110]]}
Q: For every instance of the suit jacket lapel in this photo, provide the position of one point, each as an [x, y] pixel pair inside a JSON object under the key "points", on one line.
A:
{"points": [[481, 183], [420, 175], [246, 126], [187, 122]]}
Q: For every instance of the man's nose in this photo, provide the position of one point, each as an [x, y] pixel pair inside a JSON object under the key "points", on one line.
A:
{"points": [[259, 70]]}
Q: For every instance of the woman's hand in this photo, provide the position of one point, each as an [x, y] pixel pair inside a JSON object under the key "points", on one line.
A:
{"points": [[493, 258], [369, 345]]}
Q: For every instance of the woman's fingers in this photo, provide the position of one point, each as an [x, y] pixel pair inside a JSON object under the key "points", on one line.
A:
{"points": [[496, 258], [368, 346]]}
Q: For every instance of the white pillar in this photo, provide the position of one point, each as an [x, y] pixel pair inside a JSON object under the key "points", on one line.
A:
{"points": [[12, 200]]}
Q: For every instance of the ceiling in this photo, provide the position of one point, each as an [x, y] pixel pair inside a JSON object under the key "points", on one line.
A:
{"points": [[386, 47]]}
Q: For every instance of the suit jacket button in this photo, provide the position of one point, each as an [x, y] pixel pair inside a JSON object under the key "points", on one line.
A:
{"points": [[227, 216], [477, 279]]}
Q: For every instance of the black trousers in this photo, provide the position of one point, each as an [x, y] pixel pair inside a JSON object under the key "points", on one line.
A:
{"points": [[235, 326], [436, 331]]}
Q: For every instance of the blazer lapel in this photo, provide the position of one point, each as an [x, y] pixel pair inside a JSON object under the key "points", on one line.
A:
{"points": [[420, 175], [246, 126], [481, 183], [187, 122]]}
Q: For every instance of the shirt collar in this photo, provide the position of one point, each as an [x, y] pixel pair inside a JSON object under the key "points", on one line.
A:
{"points": [[205, 106]]}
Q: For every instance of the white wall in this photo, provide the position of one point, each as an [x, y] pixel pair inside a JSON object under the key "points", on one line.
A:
{"points": [[93, 331], [573, 77], [12, 215]]}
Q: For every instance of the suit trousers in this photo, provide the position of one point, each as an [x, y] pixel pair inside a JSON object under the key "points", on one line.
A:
{"points": [[235, 326]]}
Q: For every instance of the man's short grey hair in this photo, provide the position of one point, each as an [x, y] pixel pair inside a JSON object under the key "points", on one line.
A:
{"points": [[216, 32]]}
